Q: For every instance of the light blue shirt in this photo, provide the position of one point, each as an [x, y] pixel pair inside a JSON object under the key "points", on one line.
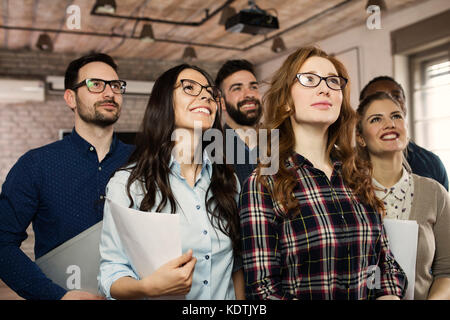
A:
{"points": [[212, 248]]}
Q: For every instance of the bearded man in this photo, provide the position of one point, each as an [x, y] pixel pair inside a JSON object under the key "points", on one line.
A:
{"points": [[242, 103]]}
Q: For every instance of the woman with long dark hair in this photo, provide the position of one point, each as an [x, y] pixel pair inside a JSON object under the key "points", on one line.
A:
{"points": [[313, 230], [170, 171]]}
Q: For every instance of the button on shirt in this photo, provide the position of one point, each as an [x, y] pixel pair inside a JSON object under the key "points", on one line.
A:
{"points": [[326, 252], [212, 248], [58, 188]]}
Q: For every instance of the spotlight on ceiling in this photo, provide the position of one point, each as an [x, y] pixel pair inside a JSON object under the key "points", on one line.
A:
{"points": [[189, 54], [105, 6], [227, 13], [147, 33], [45, 43], [278, 45], [379, 3]]}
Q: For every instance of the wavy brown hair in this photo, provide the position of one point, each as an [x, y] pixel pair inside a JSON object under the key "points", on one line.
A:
{"points": [[363, 152], [279, 107], [149, 163]]}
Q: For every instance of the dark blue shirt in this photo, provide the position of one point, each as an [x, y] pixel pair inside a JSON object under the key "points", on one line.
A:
{"points": [[59, 188], [426, 164], [241, 152]]}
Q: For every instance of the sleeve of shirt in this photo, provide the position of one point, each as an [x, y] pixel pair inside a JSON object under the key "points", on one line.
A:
{"points": [[19, 203], [393, 279], [259, 232], [114, 263], [441, 263]]}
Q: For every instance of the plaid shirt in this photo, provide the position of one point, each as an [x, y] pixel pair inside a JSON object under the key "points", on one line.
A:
{"points": [[329, 251]]}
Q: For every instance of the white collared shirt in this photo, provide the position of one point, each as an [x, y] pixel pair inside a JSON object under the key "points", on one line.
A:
{"points": [[398, 198]]}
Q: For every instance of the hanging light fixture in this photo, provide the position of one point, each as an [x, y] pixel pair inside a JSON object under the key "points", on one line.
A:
{"points": [[278, 45], [147, 33], [44, 43], [379, 3], [227, 12], [189, 54], [105, 6]]}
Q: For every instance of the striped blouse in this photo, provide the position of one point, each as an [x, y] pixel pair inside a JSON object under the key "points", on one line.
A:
{"points": [[336, 248]]}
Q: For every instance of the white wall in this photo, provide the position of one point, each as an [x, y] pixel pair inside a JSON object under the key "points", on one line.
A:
{"points": [[374, 46]]}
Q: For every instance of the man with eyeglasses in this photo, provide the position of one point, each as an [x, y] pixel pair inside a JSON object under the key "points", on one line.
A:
{"points": [[60, 187], [242, 103]]}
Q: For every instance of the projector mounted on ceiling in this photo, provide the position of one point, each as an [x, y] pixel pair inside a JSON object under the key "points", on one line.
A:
{"points": [[253, 21]]}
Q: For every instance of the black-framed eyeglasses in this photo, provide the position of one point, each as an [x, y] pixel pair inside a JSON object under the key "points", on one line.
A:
{"points": [[312, 80], [99, 85], [193, 88]]}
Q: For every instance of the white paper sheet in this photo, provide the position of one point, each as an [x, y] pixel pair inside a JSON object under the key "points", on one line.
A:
{"points": [[150, 239], [402, 235]]}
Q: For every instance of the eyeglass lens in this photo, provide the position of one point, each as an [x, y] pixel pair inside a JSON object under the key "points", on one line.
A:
{"points": [[313, 80], [194, 88], [97, 85]]}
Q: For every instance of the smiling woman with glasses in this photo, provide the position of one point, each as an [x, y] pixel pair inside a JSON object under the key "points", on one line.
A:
{"points": [[313, 230], [157, 178]]}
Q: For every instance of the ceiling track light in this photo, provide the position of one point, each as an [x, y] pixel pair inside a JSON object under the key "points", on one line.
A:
{"points": [[44, 43], [147, 33], [189, 54], [278, 45], [105, 6], [379, 3]]}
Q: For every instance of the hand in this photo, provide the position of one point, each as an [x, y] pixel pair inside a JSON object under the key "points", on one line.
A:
{"points": [[81, 295], [172, 278]]}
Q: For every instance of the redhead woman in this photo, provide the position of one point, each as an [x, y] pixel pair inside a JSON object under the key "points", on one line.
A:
{"points": [[381, 140], [159, 178], [313, 230]]}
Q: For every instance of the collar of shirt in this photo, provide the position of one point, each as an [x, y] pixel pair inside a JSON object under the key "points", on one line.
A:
{"points": [[397, 199], [85, 146], [175, 168], [296, 161], [398, 190]]}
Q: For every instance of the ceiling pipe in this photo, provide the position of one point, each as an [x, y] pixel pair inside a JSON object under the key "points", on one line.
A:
{"points": [[179, 23], [114, 35]]}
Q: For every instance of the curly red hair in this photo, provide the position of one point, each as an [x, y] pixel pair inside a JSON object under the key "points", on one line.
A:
{"points": [[279, 106]]}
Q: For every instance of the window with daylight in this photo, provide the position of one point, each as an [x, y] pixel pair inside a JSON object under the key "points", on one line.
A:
{"points": [[431, 101]]}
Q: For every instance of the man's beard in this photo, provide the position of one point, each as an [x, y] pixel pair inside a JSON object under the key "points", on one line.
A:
{"points": [[98, 118], [243, 118]]}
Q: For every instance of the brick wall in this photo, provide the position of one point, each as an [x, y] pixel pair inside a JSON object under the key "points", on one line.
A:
{"points": [[24, 126], [34, 64]]}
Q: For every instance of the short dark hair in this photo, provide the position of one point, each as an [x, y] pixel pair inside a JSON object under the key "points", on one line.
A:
{"points": [[376, 79], [71, 76], [232, 66]]}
